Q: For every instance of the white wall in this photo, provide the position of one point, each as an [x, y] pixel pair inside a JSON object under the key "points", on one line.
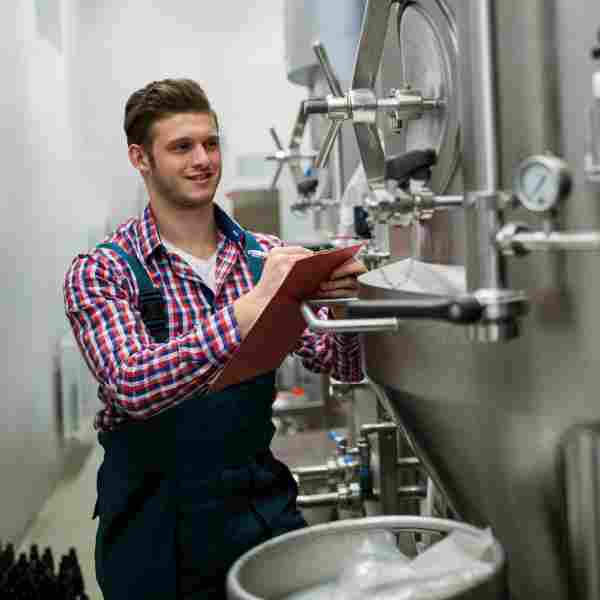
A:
{"points": [[234, 49], [65, 171], [43, 225]]}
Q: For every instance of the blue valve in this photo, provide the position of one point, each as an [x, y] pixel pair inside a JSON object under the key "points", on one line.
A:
{"points": [[336, 437]]}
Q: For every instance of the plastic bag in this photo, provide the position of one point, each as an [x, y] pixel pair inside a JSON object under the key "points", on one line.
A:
{"points": [[376, 555], [455, 564]]}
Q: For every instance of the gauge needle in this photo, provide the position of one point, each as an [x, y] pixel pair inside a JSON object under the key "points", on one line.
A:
{"points": [[539, 184]]}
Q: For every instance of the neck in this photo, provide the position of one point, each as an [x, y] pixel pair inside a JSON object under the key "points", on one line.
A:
{"points": [[192, 230]]}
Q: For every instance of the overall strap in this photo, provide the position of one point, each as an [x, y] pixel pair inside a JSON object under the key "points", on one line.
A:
{"points": [[152, 303], [255, 263]]}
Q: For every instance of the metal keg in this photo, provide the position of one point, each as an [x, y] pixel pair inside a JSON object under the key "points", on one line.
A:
{"points": [[317, 555]]}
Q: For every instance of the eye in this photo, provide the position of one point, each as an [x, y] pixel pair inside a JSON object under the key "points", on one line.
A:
{"points": [[183, 146], [212, 145]]}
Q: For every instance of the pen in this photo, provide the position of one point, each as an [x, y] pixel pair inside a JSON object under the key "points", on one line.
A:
{"points": [[257, 253]]}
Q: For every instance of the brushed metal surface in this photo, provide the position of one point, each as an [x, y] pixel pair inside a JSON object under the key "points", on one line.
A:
{"points": [[491, 418], [582, 486], [336, 23]]}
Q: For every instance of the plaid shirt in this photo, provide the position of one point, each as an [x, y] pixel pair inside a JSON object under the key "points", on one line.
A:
{"points": [[139, 377]]}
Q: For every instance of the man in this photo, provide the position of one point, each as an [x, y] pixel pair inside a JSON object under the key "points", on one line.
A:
{"points": [[188, 482]]}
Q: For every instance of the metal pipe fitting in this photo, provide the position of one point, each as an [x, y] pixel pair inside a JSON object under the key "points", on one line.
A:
{"points": [[406, 492], [409, 462], [313, 500], [312, 472], [346, 325], [370, 428], [447, 202], [515, 239]]}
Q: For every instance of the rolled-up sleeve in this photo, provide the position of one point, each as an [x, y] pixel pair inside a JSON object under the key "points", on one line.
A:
{"points": [[336, 353]]}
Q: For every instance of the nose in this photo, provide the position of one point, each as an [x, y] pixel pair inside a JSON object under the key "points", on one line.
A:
{"points": [[200, 155]]}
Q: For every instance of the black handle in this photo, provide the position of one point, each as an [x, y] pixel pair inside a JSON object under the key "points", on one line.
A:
{"points": [[415, 164], [316, 106], [465, 309], [307, 185], [595, 53]]}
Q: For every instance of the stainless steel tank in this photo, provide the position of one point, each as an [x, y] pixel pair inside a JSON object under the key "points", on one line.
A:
{"points": [[491, 418]]}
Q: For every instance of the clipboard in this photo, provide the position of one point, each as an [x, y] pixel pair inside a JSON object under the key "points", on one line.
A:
{"points": [[275, 332]]}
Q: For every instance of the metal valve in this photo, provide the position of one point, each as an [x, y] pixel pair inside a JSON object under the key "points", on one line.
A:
{"points": [[360, 104], [292, 156]]}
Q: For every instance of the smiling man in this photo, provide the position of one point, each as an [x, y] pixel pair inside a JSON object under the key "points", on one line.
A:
{"points": [[188, 482]]}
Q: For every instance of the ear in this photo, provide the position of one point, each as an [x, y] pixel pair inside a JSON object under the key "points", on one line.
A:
{"points": [[139, 158]]}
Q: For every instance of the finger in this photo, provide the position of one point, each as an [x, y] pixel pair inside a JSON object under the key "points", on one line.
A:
{"points": [[351, 267], [342, 282], [291, 250], [339, 293]]}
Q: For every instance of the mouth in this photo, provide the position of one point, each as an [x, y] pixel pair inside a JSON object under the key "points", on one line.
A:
{"points": [[200, 177]]}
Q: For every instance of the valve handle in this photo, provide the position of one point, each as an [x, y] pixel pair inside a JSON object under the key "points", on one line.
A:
{"points": [[275, 138], [415, 164], [327, 144], [276, 176], [332, 79], [334, 436], [290, 155], [307, 185], [466, 309]]}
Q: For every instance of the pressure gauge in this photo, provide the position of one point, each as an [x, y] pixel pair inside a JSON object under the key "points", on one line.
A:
{"points": [[542, 182]]}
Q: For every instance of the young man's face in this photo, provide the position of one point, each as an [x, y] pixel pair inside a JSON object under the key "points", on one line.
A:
{"points": [[185, 161]]}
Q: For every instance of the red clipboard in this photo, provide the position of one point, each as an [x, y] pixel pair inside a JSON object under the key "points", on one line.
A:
{"points": [[275, 332]]}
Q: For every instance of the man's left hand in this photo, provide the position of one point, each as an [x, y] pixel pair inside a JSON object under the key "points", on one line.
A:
{"points": [[342, 283]]}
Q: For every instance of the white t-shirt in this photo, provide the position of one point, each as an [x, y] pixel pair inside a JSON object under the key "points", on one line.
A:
{"points": [[204, 268]]}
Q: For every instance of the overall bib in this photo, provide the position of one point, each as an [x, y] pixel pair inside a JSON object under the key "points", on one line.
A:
{"points": [[182, 495]]}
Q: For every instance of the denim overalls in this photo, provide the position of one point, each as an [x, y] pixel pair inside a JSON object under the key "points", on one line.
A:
{"points": [[182, 495]]}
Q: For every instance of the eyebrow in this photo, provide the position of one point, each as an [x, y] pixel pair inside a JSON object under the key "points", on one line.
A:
{"points": [[186, 138]]}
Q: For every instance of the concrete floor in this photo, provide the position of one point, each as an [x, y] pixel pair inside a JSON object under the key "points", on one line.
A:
{"points": [[65, 521]]}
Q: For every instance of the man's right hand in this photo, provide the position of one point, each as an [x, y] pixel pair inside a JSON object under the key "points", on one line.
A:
{"points": [[278, 263]]}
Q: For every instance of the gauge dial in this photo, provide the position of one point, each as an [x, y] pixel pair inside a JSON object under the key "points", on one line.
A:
{"points": [[542, 182]]}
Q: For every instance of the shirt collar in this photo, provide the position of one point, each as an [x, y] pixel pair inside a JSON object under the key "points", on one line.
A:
{"points": [[149, 236]]}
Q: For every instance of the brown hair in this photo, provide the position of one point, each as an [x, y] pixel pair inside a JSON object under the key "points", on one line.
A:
{"points": [[159, 100]]}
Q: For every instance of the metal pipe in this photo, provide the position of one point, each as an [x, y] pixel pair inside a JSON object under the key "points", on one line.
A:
{"points": [[406, 492], [378, 428], [311, 500], [448, 202], [548, 242], [477, 67], [394, 415], [388, 472], [409, 462], [347, 325], [480, 156], [581, 456], [313, 472]]}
